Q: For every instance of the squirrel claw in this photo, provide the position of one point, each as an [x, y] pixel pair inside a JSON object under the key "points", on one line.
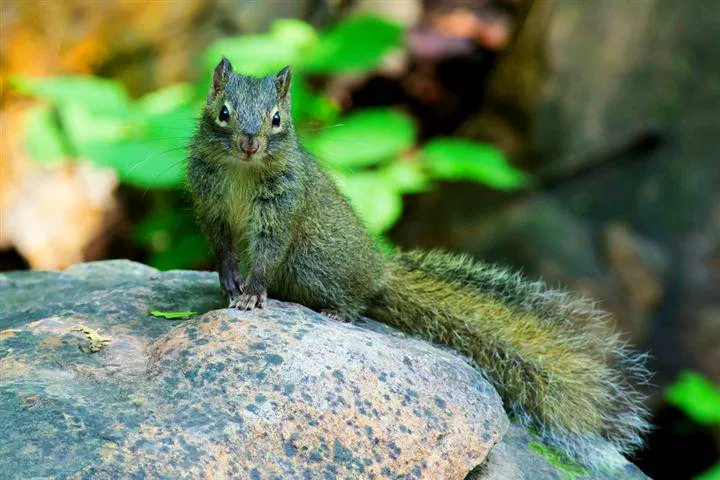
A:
{"points": [[248, 302]]}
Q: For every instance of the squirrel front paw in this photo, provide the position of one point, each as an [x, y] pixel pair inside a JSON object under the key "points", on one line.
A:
{"points": [[250, 299]]}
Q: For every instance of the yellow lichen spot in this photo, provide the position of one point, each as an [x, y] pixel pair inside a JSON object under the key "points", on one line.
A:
{"points": [[97, 341]]}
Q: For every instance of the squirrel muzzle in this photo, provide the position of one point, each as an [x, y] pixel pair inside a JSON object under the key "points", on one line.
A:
{"points": [[249, 145]]}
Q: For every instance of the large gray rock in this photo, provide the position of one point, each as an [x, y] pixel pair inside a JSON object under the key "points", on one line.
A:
{"points": [[282, 393]]}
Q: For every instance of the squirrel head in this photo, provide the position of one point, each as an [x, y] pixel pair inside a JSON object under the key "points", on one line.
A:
{"points": [[248, 117]]}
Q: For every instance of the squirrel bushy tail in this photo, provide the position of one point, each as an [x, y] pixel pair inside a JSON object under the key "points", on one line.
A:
{"points": [[554, 360]]}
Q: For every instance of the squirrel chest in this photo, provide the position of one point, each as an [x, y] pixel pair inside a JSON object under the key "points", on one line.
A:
{"points": [[236, 205]]}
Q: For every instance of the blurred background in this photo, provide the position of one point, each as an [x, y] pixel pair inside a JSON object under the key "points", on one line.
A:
{"points": [[576, 141]]}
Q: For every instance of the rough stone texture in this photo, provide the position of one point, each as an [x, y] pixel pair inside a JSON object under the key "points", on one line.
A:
{"points": [[282, 393], [513, 459]]}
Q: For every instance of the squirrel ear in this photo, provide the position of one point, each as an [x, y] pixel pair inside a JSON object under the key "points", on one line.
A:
{"points": [[220, 76], [282, 81]]}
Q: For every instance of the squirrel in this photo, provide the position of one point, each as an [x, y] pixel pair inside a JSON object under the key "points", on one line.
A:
{"points": [[268, 208]]}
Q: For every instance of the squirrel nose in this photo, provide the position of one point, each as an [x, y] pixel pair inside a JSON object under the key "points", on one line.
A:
{"points": [[250, 145]]}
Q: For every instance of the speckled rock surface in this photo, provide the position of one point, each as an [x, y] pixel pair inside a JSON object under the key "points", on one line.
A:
{"points": [[283, 393]]}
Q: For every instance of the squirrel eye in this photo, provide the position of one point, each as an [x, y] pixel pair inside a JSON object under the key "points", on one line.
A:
{"points": [[276, 119], [224, 115]]}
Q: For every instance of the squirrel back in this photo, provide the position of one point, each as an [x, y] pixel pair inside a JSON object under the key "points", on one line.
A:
{"points": [[261, 197]]}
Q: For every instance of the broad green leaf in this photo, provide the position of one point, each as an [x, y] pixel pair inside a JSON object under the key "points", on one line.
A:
{"points": [[170, 132], [95, 94], [377, 203], [297, 33], [310, 107], [147, 152], [696, 396], [86, 127], [43, 138], [140, 155], [385, 245], [355, 44], [712, 474], [458, 159], [288, 42], [166, 99], [140, 163], [172, 315], [363, 138], [406, 177], [251, 54]]}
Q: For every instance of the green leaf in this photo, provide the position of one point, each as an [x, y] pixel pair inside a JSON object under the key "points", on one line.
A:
{"points": [[712, 474], [406, 177], [377, 202], [95, 94], [145, 150], [458, 159], [86, 127], [172, 315], [309, 107], [166, 99], [251, 54], [288, 42], [385, 245], [354, 45], [43, 137], [171, 131], [140, 164], [696, 396], [290, 31], [364, 138]]}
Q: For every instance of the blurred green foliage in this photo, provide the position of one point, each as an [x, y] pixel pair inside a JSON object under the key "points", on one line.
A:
{"points": [[712, 474], [91, 118], [458, 159], [371, 153], [699, 399]]}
